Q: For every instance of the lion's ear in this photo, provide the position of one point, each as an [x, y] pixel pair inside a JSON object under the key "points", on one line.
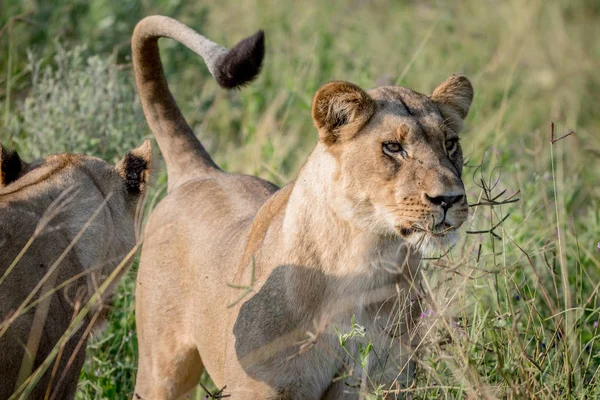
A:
{"points": [[340, 109], [453, 98], [135, 168], [11, 166]]}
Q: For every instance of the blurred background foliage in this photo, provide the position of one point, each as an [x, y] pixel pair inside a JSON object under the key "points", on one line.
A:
{"points": [[66, 85]]}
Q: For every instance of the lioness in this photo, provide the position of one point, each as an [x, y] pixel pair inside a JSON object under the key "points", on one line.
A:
{"points": [[66, 223], [254, 283]]}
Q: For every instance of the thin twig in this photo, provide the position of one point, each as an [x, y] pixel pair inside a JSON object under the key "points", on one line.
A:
{"points": [[491, 230], [552, 139], [494, 203], [218, 395]]}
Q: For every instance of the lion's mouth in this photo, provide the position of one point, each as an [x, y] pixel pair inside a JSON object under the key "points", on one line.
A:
{"points": [[442, 229], [406, 231], [439, 230]]}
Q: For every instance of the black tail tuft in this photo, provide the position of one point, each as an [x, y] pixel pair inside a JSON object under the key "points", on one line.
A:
{"points": [[242, 63]]}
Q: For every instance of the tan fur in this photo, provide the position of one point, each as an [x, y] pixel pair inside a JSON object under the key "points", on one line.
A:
{"points": [[235, 274], [50, 204]]}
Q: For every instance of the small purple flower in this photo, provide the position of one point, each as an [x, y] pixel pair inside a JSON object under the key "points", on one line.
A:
{"points": [[595, 324], [429, 313]]}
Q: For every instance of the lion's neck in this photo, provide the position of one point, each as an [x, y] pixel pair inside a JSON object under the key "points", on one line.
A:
{"points": [[331, 267], [312, 229]]}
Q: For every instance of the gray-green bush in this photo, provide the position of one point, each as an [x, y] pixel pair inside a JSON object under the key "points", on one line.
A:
{"points": [[78, 104]]}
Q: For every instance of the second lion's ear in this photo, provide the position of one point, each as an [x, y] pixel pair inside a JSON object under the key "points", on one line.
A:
{"points": [[453, 98], [11, 166], [340, 109], [134, 168]]}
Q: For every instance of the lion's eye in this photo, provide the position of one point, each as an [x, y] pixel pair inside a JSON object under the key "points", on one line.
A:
{"points": [[392, 148], [451, 146]]}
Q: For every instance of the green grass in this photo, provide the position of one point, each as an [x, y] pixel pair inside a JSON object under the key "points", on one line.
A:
{"points": [[525, 301]]}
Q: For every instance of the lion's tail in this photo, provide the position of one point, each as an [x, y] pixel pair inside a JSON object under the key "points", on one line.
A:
{"points": [[184, 155]]}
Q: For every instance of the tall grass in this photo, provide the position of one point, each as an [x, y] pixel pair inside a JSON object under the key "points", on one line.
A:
{"points": [[513, 310]]}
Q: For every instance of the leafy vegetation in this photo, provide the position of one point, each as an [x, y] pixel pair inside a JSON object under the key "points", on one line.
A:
{"points": [[514, 310]]}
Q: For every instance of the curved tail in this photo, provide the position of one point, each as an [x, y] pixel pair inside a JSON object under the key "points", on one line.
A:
{"points": [[184, 155]]}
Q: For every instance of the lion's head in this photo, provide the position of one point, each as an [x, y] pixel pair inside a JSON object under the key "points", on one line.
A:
{"points": [[399, 157]]}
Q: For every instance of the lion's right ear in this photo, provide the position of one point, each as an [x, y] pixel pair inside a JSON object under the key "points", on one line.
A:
{"points": [[453, 98], [11, 166], [340, 109], [135, 168]]}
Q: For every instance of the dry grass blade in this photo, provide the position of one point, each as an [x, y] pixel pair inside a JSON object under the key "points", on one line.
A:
{"points": [[27, 386]]}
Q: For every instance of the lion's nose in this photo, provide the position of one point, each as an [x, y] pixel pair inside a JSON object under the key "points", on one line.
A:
{"points": [[444, 201]]}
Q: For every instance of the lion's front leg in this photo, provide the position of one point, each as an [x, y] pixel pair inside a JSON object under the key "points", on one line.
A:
{"points": [[379, 358], [391, 362], [383, 365], [387, 379]]}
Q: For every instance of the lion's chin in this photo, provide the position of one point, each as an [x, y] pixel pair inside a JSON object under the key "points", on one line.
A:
{"points": [[430, 244]]}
